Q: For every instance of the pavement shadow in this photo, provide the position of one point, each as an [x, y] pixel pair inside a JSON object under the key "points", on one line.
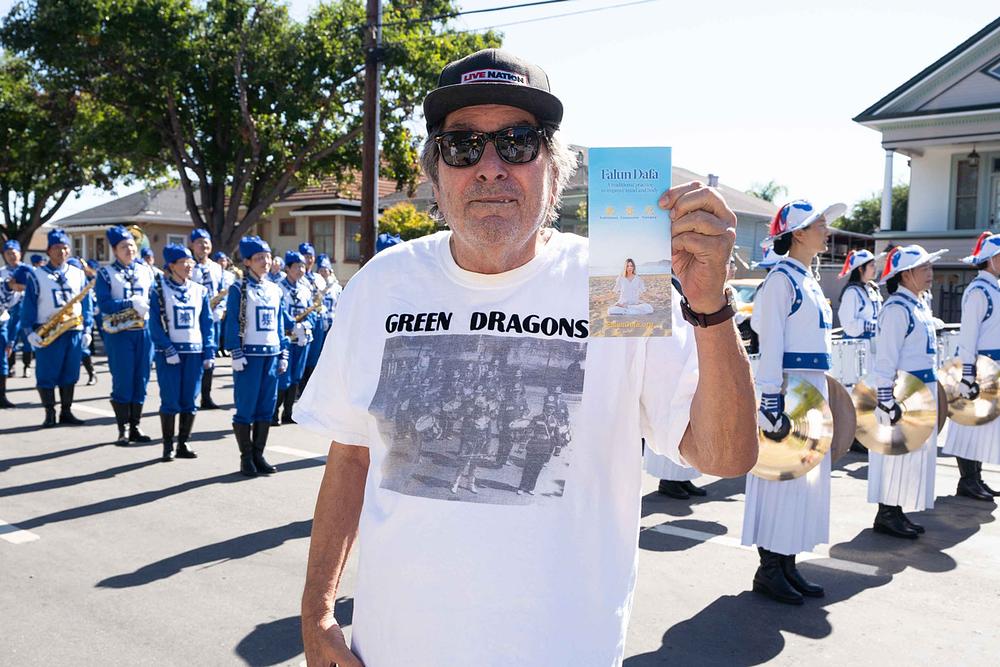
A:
{"points": [[278, 642], [951, 522], [746, 629], [145, 497], [56, 430], [231, 549], [63, 482], [721, 490], [6, 464], [653, 540]]}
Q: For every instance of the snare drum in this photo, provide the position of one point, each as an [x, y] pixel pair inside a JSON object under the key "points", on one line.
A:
{"points": [[849, 360], [947, 346]]}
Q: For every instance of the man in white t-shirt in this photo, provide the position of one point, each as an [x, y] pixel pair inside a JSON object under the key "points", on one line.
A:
{"points": [[484, 450]]}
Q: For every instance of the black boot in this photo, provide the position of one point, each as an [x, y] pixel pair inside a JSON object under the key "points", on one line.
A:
{"points": [[183, 435], [979, 478], [135, 434], [121, 418], [796, 579], [289, 400], [770, 579], [11, 363], [889, 521], [206, 390], [968, 484], [49, 403], [260, 430], [692, 489], [915, 526], [305, 379], [88, 364], [26, 360], [167, 426], [66, 415], [4, 403], [242, 432], [275, 420], [673, 489], [858, 447]]}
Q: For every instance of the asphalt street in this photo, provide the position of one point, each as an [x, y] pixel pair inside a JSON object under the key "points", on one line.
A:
{"points": [[109, 557]]}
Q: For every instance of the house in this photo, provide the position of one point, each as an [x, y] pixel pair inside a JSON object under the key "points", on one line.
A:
{"points": [[946, 120]]}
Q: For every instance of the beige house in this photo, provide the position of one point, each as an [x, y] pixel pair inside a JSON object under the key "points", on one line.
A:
{"points": [[946, 120]]}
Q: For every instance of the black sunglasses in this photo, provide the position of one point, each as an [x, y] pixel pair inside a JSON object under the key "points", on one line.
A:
{"points": [[515, 145]]}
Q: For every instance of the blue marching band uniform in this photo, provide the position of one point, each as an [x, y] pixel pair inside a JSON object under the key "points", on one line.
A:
{"points": [[183, 333], [257, 341], [298, 298], [209, 274], [123, 297], [10, 311], [318, 290]]}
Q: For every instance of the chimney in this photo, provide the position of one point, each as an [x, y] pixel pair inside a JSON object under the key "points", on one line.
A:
{"points": [[713, 181]]}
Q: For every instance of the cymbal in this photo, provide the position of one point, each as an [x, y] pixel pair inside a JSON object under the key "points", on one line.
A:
{"points": [[986, 407], [911, 432], [845, 421], [807, 441]]}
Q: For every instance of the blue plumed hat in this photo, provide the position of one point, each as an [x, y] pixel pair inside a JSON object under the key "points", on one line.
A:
{"points": [[307, 249], [323, 261], [291, 257], [217, 255], [146, 252], [57, 236], [117, 234], [73, 261], [174, 252], [251, 245], [21, 274], [199, 233], [93, 264], [12, 244], [37, 259]]}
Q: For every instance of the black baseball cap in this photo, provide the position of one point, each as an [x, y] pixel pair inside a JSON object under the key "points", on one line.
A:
{"points": [[492, 76]]}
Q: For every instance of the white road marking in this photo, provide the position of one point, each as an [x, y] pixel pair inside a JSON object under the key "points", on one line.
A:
{"points": [[11, 533], [298, 453], [92, 410], [732, 542]]}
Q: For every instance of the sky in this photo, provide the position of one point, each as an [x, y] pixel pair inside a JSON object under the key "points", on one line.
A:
{"points": [[750, 91]]}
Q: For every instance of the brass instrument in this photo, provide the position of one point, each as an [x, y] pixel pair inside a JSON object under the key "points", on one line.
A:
{"points": [[984, 408], [845, 423], [808, 440], [913, 429], [302, 316], [124, 320], [217, 299], [64, 319]]}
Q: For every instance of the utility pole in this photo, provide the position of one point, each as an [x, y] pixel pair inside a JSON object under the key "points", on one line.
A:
{"points": [[370, 130]]}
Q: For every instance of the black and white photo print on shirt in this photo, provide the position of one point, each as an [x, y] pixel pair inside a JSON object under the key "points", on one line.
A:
{"points": [[479, 418]]}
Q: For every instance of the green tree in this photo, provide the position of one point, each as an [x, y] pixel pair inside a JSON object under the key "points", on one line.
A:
{"points": [[866, 215], [768, 191], [250, 104], [404, 219], [582, 215], [53, 143]]}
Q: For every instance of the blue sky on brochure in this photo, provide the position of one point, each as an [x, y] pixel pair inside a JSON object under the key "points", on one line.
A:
{"points": [[751, 91]]}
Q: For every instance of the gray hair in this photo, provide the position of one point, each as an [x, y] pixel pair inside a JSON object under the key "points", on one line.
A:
{"points": [[562, 160]]}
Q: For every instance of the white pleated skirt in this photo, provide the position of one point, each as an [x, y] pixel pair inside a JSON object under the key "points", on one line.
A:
{"points": [[791, 516], [662, 467], [906, 480], [978, 443]]}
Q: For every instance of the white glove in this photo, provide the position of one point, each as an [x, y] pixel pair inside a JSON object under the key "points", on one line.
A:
{"points": [[88, 338], [239, 363], [140, 305], [34, 340], [282, 366], [217, 315], [173, 359], [887, 411], [771, 417], [208, 364], [301, 332]]}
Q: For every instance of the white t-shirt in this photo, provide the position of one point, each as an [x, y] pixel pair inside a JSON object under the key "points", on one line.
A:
{"points": [[629, 290], [426, 365]]}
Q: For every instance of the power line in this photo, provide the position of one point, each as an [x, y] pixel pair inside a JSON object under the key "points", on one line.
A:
{"points": [[451, 15], [556, 16]]}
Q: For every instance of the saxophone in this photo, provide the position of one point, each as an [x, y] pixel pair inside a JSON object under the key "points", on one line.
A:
{"points": [[64, 319], [124, 320]]}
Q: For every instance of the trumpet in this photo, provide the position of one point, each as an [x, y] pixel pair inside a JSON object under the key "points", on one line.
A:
{"points": [[64, 319]]}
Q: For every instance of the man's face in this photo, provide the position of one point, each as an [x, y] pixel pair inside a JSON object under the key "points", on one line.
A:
{"points": [[58, 254], [12, 257], [201, 248], [493, 203], [295, 271], [260, 263], [182, 269]]}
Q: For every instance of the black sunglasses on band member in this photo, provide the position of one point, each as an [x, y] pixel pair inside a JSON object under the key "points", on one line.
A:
{"points": [[515, 145]]}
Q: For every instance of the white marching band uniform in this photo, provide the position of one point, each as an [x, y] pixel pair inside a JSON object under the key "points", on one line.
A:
{"points": [[980, 334], [793, 320], [906, 341], [859, 309], [662, 467]]}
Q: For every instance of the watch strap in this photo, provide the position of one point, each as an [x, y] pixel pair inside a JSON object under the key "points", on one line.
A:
{"points": [[701, 319]]}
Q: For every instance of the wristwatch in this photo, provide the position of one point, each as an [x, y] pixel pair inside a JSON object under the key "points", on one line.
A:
{"points": [[701, 319]]}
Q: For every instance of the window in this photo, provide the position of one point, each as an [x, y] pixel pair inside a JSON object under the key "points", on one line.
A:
{"points": [[78, 247], [352, 240], [101, 249], [966, 194], [176, 239], [286, 227], [321, 235]]}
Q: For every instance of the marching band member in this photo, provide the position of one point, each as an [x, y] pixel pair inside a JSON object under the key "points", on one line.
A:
{"points": [[181, 326], [860, 300], [10, 309], [209, 274], [330, 293], [123, 289], [228, 279], [298, 298], [37, 260], [980, 334], [906, 341], [149, 257], [88, 352], [676, 481], [793, 320], [47, 289], [259, 347], [276, 273]]}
